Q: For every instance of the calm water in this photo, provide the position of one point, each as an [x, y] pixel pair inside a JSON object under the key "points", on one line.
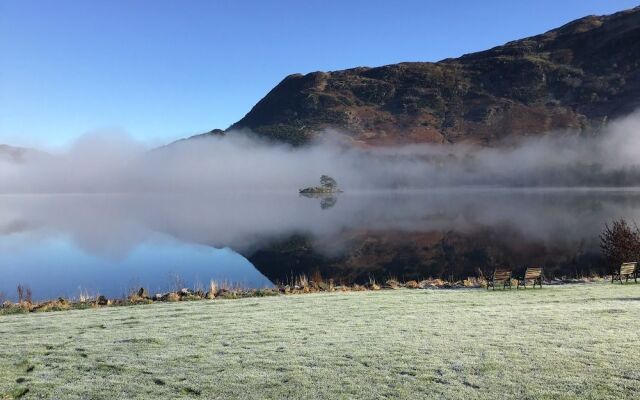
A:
{"points": [[60, 245]]}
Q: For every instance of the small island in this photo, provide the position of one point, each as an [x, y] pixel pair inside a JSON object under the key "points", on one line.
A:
{"points": [[327, 185]]}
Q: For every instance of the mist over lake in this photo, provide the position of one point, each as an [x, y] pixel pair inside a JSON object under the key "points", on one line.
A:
{"points": [[109, 244], [109, 215]]}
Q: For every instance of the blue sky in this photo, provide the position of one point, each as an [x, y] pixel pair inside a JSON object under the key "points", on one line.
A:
{"points": [[162, 70]]}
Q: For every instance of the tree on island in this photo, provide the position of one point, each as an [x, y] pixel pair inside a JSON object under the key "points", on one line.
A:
{"points": [[328, 182], [327, 185]]}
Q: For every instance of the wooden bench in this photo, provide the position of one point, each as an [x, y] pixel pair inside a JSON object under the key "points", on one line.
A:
{"points": [[500, 275], [627, 270], [531, 274]]}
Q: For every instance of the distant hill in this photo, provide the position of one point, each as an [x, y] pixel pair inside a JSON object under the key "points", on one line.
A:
{"points": [[17, 154], [575, 77]]}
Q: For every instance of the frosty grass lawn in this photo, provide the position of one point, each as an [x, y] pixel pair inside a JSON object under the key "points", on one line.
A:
{"points": [[578, 341]]}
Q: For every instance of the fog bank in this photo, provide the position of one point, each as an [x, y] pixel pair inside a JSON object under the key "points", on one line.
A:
{"points": [[239, 162]]}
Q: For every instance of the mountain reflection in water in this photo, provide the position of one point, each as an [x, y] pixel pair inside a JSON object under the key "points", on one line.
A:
{"points": [[56, 243]]}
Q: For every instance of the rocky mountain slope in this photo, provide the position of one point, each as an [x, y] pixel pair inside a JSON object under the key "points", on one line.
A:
{"points": [[575, 77]]}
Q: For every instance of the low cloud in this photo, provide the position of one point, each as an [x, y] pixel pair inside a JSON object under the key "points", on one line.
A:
{"points": [[107, 163]]}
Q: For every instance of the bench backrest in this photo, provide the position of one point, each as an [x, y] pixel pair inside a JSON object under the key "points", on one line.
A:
{"points": [[502, 274], [533, 273], [628, 268]]}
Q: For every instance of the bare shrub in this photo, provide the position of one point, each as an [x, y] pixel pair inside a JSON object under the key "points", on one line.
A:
{"points": [[316, 277], [83, 296], [620, 242], [20, 290], [24, 294], [303, 281], [213, 287]]}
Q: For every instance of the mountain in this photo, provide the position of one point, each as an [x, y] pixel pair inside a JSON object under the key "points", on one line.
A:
{"points": [[575, 77]]}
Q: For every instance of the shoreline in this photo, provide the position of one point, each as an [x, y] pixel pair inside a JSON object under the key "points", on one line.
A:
{"points": [[301, 286]]}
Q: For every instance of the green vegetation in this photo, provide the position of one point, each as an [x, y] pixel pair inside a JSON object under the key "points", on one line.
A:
{"points": [[573, 341]]}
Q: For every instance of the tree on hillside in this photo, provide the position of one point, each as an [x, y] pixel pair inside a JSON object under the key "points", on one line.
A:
{"points": [[620, 243]]}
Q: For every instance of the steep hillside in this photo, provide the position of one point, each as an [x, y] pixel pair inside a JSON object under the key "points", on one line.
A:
{"points": [[575, 77]]}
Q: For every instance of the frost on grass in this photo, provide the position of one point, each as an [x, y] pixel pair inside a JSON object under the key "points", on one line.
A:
{"points": [[549, 343]]}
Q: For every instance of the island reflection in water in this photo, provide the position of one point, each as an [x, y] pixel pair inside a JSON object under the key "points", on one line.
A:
{"points": [[108, 244]]}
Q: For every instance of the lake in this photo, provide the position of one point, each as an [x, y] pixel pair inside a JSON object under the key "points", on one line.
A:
{"points": [[64, 245]]}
